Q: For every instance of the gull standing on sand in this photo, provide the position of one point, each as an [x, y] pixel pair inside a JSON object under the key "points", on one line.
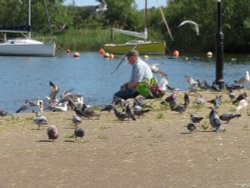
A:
{"points": [[40, 120], [244, 80], [191, 81], [242, 104], [76, 120]]}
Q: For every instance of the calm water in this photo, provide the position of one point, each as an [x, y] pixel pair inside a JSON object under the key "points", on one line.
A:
{"points": [[28, 77]]}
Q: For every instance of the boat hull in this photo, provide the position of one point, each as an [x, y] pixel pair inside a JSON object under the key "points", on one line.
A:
{"points": [[142, 48], [27, 49]]}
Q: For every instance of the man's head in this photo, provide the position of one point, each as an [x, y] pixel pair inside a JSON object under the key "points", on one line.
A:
{"points": [[132, 56]]}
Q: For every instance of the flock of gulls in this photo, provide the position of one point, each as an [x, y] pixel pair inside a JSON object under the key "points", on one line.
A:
{"points": [[132, 109]]}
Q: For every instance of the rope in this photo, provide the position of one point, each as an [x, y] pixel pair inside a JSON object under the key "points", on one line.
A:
{"points": [[165, 21]]}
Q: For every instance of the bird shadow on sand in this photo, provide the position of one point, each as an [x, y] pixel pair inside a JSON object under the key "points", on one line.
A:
{"points": [[69, 141], [44, 141], [193, 132]]}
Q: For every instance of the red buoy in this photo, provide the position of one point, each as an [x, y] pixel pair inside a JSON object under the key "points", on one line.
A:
{"points": [[76, 54], [68, 51], [176, 53], [101, 51]]}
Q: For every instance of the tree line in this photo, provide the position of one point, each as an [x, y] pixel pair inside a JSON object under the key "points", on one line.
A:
{"points": [[124, 14]]}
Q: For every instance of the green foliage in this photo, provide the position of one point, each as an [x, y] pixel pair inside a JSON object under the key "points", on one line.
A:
{"points": [[71, 22]]}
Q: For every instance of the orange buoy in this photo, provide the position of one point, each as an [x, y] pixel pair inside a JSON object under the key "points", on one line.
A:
{"points": [[176, 53], [68, 51], [101, 51], [76, 54]]}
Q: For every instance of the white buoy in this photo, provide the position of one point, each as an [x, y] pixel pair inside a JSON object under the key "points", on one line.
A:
{"points": [[209, 54], [145, 57]]}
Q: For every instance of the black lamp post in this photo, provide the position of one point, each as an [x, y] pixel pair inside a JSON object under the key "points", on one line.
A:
{"points": [[219, 48]]}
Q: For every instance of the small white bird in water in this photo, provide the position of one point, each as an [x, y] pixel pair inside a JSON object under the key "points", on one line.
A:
{"points": [[195, 25], [244, 80]]}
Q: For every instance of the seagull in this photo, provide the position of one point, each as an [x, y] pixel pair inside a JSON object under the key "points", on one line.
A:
{"points": [[196, 118], [195, 25], [130, 112], [191, 81], [215, 121], [228, 116], [24, 107], [40, 120], [102, 6], [244, 80], [163, 84], [76, 120], [200, 100], [52, 132], [54, 89], [79, 132], [242, 104], [155, 69], [61, 107]]}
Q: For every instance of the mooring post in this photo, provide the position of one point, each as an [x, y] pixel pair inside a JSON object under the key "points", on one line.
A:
{"points": [[219, 48]]}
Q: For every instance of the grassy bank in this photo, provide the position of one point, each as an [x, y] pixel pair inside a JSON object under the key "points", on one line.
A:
{"points": [[87, 39]]}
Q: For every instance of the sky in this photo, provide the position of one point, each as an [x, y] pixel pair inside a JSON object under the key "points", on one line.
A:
{"points": [[140, 3]]}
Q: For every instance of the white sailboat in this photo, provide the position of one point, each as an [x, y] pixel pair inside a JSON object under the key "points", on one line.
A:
{"points": [[144, 46], [25, 46]]}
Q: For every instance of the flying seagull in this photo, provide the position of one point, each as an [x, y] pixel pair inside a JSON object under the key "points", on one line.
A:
{"points": [[195, 25], [54, 89]]}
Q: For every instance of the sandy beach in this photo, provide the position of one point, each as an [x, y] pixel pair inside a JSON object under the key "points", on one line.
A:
{"points": [[155, 151]]}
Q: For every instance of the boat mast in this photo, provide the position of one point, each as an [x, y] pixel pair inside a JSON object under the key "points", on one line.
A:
{"points": [[146, 19], [29, 33]]}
